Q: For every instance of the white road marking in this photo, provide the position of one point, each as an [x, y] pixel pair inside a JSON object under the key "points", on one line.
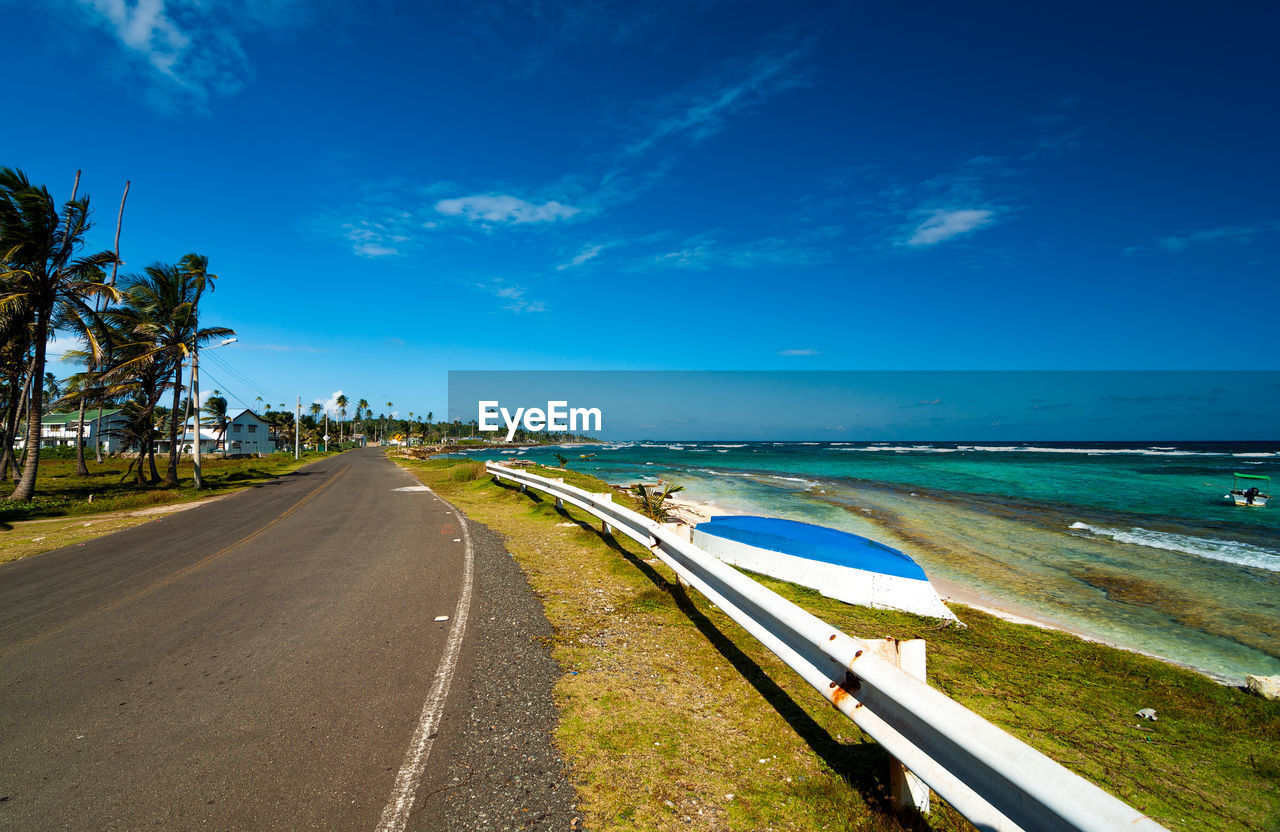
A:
{"points": [[442, 618], [396, 813], [413, 488]]}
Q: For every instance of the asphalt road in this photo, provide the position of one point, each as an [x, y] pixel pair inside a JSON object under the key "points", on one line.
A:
{"points": [[274, 661]]}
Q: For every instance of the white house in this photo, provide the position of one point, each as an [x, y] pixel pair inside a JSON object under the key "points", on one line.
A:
{"points": [[246, 433], [59, 429]]}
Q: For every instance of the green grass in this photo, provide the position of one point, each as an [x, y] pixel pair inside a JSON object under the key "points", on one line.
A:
{"points": [[668, 707], [61, 493]]}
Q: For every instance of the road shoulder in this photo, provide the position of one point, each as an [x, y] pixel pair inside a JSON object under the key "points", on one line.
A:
{"points": [[503, 768]]}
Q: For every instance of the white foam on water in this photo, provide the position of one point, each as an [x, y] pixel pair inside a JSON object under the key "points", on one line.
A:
{"points": [[793, 479], [1212, 548], [902, 449], [728, 446], [1032, 449]]}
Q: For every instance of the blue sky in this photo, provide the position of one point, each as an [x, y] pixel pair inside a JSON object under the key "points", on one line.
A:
{"points": [[389, 192]]}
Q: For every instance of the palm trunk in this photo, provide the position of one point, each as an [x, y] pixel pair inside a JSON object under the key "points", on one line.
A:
{"points": [[151, 458], [97, 425], [171, 477], [25, 488], [97, 433], [81, 469], [10, 426]]}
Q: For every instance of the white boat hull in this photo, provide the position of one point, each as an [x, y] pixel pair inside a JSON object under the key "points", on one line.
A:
{"points": [[844, 583]]}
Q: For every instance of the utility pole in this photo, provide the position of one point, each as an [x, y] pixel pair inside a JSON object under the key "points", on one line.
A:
{"points": [[297, 431], [195, 394]]}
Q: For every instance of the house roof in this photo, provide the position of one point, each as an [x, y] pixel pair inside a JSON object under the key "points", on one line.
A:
{"points": [[71, 418]]}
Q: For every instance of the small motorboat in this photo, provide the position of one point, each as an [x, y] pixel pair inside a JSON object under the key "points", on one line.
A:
{"points": [[840, 565], [1249, 490]]}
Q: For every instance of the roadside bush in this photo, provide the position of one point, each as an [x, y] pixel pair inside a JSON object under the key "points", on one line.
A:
{"points": [[467, 471]]}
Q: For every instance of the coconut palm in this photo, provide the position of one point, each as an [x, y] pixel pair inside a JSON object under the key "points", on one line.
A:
{"points": [[652, 502], [167, 299], [43, 277], [216, 408], [135, 371], [342, 413]]}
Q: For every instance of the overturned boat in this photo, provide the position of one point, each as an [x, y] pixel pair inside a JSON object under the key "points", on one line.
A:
{"points": [[838, 564]]}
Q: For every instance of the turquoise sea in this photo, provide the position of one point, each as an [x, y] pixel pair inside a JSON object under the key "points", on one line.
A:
{"points": [[1131, 543]]}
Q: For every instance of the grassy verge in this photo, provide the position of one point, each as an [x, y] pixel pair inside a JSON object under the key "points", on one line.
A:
{"points": [[674, 718], [45, 522]]}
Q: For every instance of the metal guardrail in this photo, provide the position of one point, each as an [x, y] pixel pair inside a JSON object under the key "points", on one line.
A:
{"points": [[997, 782]]}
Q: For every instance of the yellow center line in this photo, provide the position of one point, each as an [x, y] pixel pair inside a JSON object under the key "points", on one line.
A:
{"points": [[169, 579]]}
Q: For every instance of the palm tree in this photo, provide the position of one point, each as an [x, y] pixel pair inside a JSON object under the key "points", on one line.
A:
{"points": [[342, 412], [316, 408], [52, 391], [216, 407], [653, 503], [135, 371], [43, 277], [168, 298], [362, 404], [385, 422]]}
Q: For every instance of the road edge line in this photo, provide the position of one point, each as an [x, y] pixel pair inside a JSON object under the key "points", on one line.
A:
{"points": [[395, 815]]}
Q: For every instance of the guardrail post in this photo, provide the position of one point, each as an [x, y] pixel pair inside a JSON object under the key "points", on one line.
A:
{"points": [[906, 791], [604, 526], [559, 502]]}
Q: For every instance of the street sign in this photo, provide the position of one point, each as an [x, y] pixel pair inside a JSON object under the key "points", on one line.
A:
{"points": [[326, 437]]}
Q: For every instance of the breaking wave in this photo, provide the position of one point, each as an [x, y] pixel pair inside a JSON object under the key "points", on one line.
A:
{"points": [[1212, 548]]}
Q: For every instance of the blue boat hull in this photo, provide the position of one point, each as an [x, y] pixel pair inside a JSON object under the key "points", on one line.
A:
{"points": [[838, 564]]}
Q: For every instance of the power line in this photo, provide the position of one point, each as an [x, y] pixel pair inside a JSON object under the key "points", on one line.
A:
{"points": [[244, 379], [241, 377], [229, 393]]}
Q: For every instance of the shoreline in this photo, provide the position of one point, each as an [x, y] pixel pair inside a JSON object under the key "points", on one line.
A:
{"points": [[689, 512]]}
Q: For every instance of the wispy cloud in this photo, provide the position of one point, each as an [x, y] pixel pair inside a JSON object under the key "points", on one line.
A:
{"points": [[373, 239], [1223, 234], [588, 253], [945, 225], [705, 251], [396, 220], [503, 208], [797, 353], [512, 296], [701, 109], [190, 50]]}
